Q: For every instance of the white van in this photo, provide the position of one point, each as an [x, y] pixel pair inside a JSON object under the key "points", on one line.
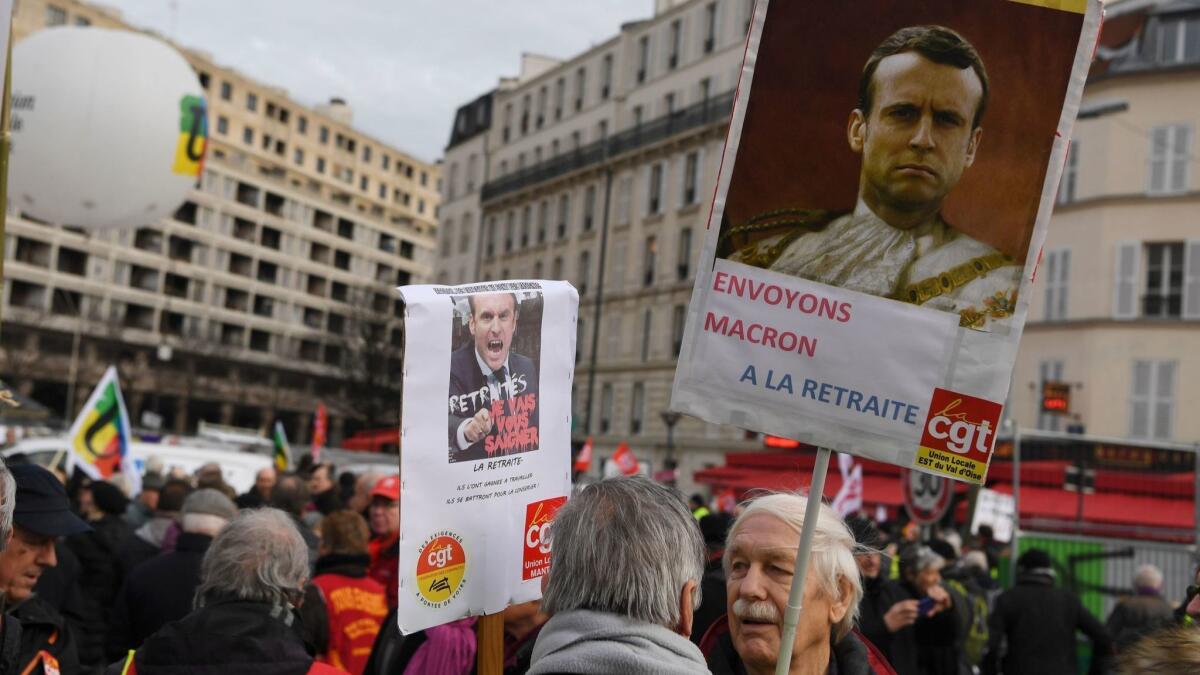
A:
{"points": [[239, 468]]}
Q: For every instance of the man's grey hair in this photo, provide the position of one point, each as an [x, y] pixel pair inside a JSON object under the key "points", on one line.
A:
{"points": [[1147, 577], [625, 546], [8, 502], [833, 547], [260, 556]]}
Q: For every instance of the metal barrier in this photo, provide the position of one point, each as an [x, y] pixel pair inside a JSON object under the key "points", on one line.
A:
{"points": [[1100, 570]]}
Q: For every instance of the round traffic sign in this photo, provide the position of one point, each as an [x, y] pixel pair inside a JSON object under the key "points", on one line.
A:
{"points": [[926, 497]]}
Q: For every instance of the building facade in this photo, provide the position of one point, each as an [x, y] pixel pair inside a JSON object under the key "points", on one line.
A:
{"points": [[269, 290], [1116, 308], [601, 170]]}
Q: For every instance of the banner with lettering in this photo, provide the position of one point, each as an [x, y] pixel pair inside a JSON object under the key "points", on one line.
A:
{"points": [[486, 438], [883, 197]]}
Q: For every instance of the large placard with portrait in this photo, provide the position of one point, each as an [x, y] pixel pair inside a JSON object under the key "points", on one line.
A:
{"points": [[883, 197], [485, 444]]}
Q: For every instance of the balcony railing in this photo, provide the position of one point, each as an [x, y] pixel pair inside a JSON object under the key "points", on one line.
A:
{"points": [[698, 115]]}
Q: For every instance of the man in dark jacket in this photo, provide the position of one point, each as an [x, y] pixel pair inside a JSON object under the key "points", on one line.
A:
{"points": [[245, 619], [147, 540], [100, 573], [885, 609], [714, 527], [1037, 623], [161, 590], [42, 513]]}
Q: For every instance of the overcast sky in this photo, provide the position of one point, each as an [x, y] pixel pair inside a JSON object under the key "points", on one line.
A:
{"points": [[403, 65]]}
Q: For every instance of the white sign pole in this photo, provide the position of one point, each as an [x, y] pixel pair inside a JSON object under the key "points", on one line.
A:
{"points": [[791, 617]]}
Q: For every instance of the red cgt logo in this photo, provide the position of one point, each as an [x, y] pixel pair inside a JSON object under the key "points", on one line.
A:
{"points": [[538, 518], [958, 436]]}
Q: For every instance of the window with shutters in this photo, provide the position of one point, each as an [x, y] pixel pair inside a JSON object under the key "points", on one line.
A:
{"points": [[654, 191], [678, 317], [1152, 400], [710, 27], [684, 268], [543, 220], [637, 410], [1057, 273], [1163, 294], [647, 321], [526, 219], [617, 280], [675, 38], [564, 213], [589, 207], [464, 237], [614, 336], [556, 269], [1170, 146], [643, 59], [584, 272], [624, 200], [1048, 371], [649, 260], [1179, 40], [1070, 177], [691, 175]]}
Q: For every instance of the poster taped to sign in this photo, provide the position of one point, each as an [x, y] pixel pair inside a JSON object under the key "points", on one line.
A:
{"points": [[884, 193], [485, 431]]}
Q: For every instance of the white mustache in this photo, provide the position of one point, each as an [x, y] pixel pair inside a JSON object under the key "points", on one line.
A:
{"points": [[760, 610]]}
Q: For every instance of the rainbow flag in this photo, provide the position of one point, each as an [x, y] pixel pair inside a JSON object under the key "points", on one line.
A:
{"points": [[99, 439], [193, 136], [283, 453]]}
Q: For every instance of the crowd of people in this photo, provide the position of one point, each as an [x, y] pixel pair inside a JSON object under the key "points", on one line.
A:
{"points": [[299, 575]]}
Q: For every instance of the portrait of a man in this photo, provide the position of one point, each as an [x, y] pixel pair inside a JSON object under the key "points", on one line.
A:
{"points": [[916, 129], [493, 406]]}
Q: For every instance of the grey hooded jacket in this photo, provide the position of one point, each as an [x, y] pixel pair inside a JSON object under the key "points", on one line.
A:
{"points": [[583, 641]]}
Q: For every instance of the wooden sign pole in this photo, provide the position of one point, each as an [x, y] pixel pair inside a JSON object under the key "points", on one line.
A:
{"points": [[489, 636]]}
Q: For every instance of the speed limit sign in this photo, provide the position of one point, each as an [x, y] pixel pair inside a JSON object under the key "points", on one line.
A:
{"points": [[926, 497]]}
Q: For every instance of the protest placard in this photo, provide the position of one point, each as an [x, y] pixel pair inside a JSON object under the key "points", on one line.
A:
{"points": [[883, 197], [486, 446]]}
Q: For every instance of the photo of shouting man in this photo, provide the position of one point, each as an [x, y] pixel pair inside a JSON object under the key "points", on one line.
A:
{"points": [[493, 390]]}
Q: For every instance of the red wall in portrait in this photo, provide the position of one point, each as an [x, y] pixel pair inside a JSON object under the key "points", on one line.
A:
{"points": [[793, 149]]}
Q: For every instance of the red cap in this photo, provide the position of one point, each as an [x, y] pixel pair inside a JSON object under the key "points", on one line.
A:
{"points": [[388, 487]]}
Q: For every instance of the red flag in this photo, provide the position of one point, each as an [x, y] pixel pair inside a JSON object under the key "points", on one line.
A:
{"points": [[320, 427], [625, 460], [726, 500], [583, 461]]}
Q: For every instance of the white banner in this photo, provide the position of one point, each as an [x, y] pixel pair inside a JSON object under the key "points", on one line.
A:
{"points": [[485, 456], [885, 191]]}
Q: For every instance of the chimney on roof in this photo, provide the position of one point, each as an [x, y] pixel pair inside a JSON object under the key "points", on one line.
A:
{"points": [[338, 110]]}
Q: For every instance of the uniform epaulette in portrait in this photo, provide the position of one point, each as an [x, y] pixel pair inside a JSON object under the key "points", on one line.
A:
{"points": [[789, 222]]}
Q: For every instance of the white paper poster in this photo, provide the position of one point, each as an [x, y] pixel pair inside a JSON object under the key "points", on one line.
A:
{"points": [[486, 444], [884, 193]]}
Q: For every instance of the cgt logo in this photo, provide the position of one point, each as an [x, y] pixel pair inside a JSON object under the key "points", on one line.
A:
{"points": [[441, 569], [539, 517], [958, 436]]}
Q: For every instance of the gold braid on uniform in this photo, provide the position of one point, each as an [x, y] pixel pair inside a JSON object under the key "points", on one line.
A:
{"points": [[998, 306], [794, 222]]}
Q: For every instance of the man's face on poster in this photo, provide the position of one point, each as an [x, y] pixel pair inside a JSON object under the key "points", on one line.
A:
{"points": [[493, 322], [918, 136]]}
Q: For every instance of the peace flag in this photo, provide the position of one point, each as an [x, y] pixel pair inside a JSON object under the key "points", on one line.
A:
{"points": [[100, 437], [283, 453]]}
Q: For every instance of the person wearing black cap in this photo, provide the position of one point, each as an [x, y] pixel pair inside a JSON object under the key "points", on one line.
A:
{"points": [[42, 514], [885, 610], [1034, 624], [714, 527]]}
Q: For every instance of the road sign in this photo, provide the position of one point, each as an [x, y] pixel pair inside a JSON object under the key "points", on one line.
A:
{"points": [[926, 497]]}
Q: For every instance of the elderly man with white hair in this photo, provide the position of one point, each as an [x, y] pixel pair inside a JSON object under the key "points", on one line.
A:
{"points": [[1141, 613], [250, 581], [624, 577], [760, 560]]}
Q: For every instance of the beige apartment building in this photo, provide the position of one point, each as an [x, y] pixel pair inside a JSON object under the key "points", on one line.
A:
{"points": [[269, 290], [1116, 308], [600, 169]]}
